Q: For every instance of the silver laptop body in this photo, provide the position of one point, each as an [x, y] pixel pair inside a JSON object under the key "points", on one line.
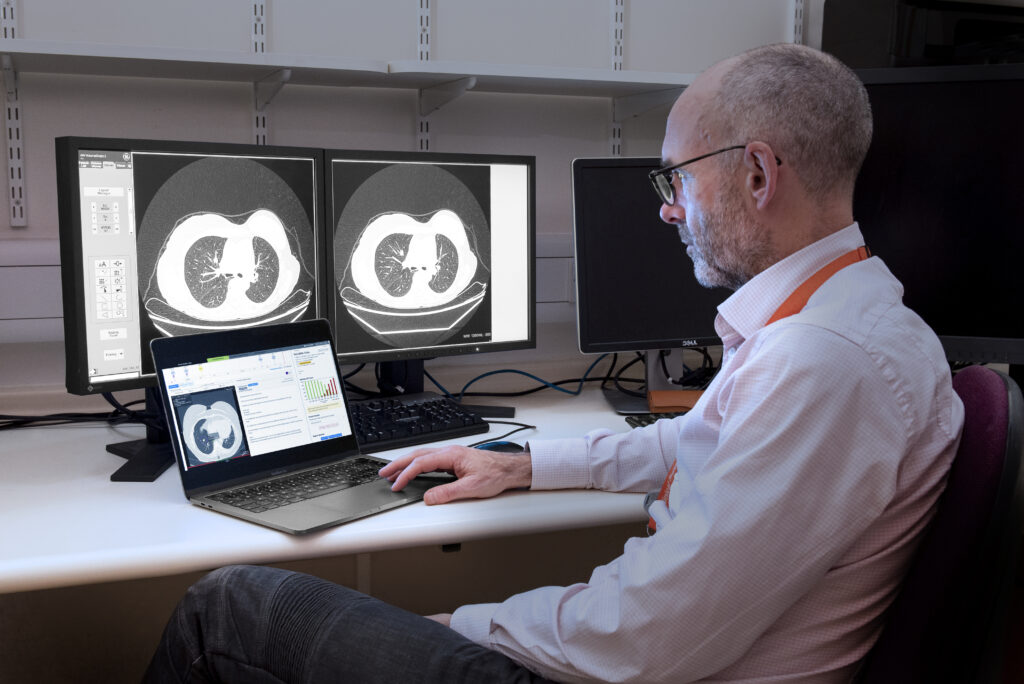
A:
{"points": [[254, 409]]}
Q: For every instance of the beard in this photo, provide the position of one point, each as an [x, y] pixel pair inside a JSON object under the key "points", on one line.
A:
{"points": [[728, 246]]}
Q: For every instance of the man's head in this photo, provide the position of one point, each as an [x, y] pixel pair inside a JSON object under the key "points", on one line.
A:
{"points": [[802, 124]]}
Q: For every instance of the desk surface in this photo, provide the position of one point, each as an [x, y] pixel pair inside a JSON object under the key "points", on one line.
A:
{"points": [[63, 522]]}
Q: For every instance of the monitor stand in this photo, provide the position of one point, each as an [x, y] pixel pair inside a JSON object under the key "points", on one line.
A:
{"points": [[146, 458], [400, 377], [626, 404], [406, 377]]}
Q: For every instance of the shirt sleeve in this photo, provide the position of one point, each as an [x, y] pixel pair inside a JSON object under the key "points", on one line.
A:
{"points": [[632, 461], [800, 470]]}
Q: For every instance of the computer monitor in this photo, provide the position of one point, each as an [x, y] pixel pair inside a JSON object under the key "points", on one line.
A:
{"points": [[430, 255], [635, 288], [163, 238], [939, 201]]}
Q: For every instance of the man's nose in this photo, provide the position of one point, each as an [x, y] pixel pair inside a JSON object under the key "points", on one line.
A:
{"points": [[672, 213]]}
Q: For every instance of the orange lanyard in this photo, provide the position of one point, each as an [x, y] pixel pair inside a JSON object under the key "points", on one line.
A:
{"points": [[793, 304]]}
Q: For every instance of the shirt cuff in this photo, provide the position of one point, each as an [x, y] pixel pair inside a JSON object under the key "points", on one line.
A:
{"points": [[559, 464], [474, 622]]}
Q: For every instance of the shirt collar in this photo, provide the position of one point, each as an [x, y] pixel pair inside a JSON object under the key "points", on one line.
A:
{"points": [[748, 309]]}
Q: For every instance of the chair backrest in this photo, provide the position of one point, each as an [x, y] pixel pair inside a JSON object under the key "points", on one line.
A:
{"points": [[947, 624]]}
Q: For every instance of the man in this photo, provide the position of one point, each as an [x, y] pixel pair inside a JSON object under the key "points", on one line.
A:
{"points": [[794, 492]]}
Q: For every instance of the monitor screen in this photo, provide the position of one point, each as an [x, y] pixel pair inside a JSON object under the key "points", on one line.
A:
{"points": [[430, 254], [635, 288], [939, 201], [172, 238]]}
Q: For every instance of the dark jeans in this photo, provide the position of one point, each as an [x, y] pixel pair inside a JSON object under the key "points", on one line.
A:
{"points": [[255, 624]]}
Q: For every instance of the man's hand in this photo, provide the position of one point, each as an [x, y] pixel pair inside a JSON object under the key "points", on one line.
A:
{"points": [[444, 618], [481, 473]]}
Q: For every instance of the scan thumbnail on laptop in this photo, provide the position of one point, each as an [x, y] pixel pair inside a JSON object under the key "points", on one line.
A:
{"points": [[253, 404]]}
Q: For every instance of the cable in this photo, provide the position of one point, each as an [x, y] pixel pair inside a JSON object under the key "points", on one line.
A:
{"points": [[145, 417], [9, 422], [522, 426], [122, 413], [349, 387], [350, 374], [437, 384], [543, 382], [664, 368], [619, 380]]}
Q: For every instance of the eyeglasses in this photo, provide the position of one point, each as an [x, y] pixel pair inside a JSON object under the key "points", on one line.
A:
{"points": [[661, 179]]}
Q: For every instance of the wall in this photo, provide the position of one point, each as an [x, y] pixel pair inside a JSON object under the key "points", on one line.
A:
{"points": [[99, 633], [660, 35]]}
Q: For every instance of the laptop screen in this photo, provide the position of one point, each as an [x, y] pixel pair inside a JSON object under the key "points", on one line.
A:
{"points": [[250, 404]]}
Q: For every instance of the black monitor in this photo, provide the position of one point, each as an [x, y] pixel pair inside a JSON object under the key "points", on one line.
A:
{"points": [[939, 199], [635, 288], [164, 238], [430, 255]]}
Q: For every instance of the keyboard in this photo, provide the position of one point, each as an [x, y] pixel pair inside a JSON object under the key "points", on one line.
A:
{"points": [[265, 496], [644, 419], [397, 422]]}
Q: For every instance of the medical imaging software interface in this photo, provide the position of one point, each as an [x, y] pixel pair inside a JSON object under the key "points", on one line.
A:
{"points": [[253, 404], [180, 243], [429, 255]]}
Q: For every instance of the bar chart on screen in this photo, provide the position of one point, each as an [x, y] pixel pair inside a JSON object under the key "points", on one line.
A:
{"points": [[315, 390]]}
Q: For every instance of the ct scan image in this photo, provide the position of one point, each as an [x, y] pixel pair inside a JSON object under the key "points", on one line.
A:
{"points": [[412, 260], [224, 242], [210, 426]]}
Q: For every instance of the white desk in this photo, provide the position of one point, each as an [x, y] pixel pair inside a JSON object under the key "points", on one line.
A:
{"points": [[64, 523]]}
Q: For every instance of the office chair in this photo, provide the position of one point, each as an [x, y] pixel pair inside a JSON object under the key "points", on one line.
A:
{"points": [[948, 622]]}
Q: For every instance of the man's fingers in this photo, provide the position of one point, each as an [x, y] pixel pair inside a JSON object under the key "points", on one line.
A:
{"points": [[425, 462], [469, 487], [440, 494], [399, 464], [453, 491]]}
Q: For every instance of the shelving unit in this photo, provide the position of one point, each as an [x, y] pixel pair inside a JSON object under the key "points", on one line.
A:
{"points": [[404, 74], [33, 56], [436, 82]]}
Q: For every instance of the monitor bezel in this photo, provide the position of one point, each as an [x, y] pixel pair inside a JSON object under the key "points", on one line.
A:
{"points": [[429, 352], [586, 343], [958, 348], [66, 150]]}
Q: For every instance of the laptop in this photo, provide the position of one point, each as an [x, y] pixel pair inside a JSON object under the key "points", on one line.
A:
{"points": [[260, 428]]}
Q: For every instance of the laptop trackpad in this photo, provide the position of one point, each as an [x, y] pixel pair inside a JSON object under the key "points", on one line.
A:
{"points": [[365, 497], [342, 506]]}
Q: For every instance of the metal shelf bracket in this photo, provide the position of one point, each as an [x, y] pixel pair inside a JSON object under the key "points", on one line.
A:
{"points": [[15, 145], [435, 97], [266, 88], [797, 8], [617, 45], [629, 106]]}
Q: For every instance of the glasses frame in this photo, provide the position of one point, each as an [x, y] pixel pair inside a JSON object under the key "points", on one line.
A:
{"points": [[661, 178]]}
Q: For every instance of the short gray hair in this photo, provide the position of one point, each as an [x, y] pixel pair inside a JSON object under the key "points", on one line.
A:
{"points": [[810, 107]]}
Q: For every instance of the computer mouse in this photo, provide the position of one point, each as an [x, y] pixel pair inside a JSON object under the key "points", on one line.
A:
{"points": [[501, 445]]}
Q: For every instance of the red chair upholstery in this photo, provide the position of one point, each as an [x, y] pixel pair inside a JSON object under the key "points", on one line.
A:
{"points": [[948, 621]]}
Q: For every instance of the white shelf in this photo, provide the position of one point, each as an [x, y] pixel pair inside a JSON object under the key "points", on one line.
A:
{"points": [[33, 56], [55, 57], [542, 80]]}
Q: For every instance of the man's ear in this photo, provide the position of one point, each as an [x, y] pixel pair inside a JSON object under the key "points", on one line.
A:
{"points": [[762, 173]]}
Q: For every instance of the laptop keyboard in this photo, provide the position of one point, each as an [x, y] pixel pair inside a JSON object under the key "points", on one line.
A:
{"points": [[306, 485], [393, 423]]}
